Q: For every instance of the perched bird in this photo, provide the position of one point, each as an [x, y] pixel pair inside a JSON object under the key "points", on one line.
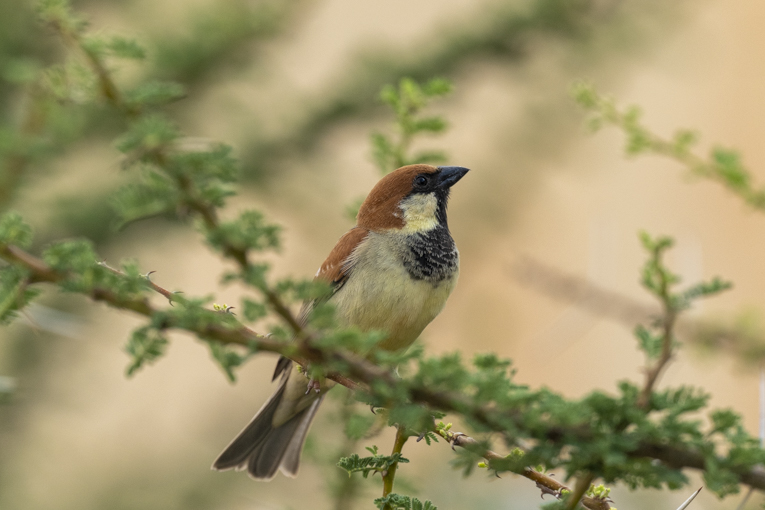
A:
{"points": [[392, 272]]}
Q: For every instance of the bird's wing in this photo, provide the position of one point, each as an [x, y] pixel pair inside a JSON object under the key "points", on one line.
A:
{"points": [[335, 271], [338, 265]]}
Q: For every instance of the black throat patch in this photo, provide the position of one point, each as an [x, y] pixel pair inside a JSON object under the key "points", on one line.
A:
{"points": [[431, 256]]}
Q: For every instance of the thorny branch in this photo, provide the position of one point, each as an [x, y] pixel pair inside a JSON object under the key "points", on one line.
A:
{"points": [[360, 372], [547, 484], [168, 294]]}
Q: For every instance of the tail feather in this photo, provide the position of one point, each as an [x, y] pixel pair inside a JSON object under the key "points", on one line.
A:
{"points": [[252, 435], [291, 459], [262, 448]]}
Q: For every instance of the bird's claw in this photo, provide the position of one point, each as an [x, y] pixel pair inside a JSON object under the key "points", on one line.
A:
{"points": [[313, 384]]}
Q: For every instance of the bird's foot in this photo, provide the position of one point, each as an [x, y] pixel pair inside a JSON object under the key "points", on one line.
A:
{"points": [[313, 384]]}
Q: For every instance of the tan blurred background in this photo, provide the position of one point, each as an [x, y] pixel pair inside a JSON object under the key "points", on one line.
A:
{"points": [[79, 435]]}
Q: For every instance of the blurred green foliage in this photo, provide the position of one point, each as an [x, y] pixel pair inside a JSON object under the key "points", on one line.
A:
{"points": [[407, 102], [722, 165], [70, 93]]}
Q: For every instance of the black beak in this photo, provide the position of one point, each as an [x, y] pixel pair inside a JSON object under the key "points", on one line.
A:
{"points": [[449, 175]]}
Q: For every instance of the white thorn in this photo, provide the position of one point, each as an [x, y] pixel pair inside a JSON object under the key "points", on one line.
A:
{"points": [[688, 501]]}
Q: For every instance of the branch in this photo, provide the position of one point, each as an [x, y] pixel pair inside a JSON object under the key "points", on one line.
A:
{"points": [[547, 484], [160, 290], [358, 372], [582, 484], [668, 319], [71, 35], [241, 335]]}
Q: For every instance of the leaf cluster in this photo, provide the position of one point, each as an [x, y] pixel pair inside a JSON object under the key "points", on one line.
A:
{"points": [[660, 281], [398, 502], [407, 101], [376, 463]]}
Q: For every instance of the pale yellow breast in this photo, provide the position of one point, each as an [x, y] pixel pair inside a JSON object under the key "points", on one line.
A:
{"points": [[380, 294]]}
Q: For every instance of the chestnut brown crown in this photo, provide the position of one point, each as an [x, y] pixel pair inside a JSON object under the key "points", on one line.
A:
{"points": [[381, 210]]}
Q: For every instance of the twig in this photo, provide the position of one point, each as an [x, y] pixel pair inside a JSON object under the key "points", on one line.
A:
{"points": [[398, 445], [668, 319], [32, 125], [168, 294], [582, 484], [547, 484], [239, 255], [107, 87]]}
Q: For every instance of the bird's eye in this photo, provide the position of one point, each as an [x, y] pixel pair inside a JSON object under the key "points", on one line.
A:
{"points": [[421, 181]]}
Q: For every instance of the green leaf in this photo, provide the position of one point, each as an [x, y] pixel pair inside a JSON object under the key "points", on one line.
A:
{"points": [[649, 343], [125, 48], [367, 465], [254, 310], [357, 426], [227, 358], [729, 167], [585, 95], [15, 293], [437, 87], [154, 194], [249, 232], [429, 124], [14, 231], [723, 420], [395, 501], [155, 93], [146, 345], [75, 256], [148, 135]]}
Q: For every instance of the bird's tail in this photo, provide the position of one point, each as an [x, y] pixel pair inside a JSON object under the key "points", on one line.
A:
{"points": [[262, 449]]}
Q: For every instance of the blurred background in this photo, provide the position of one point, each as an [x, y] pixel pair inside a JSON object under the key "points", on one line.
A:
{"points": [[293, 86]]}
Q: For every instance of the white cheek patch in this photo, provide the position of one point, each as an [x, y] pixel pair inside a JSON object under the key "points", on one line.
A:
{"points": [[419, 212]]}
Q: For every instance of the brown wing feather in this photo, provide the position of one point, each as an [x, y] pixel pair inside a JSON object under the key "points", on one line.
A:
{"points": [[336, 268], [335, 271]]}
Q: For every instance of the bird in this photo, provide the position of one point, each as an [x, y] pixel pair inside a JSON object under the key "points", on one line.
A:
{"points": [[392, 272]]}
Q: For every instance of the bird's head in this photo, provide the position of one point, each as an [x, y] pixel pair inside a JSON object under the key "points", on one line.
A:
{"points": [[411, 199]]}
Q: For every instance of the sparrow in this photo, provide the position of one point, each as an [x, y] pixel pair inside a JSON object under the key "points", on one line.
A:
{"points": [[392, 272]]}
